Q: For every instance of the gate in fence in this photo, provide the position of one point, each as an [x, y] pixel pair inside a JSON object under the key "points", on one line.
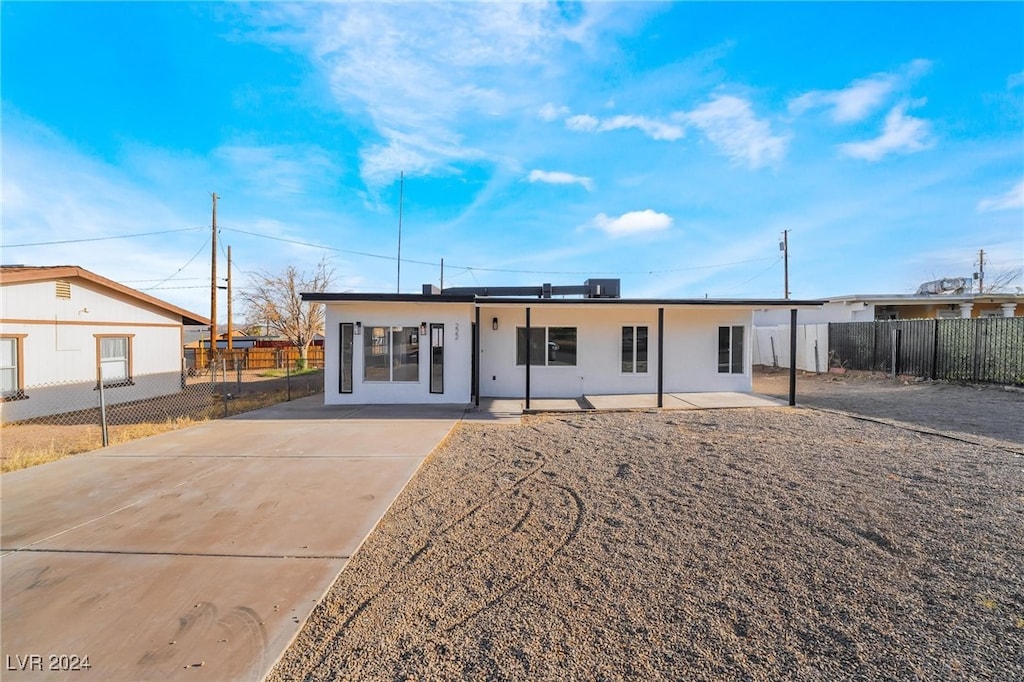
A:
{"points": [[987, 350]]}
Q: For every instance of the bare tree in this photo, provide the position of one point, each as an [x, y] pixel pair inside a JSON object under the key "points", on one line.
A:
{"points": [[275, 299], [1001, 280]]}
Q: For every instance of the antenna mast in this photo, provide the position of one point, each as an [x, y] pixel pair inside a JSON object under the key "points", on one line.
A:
{"points": [[401, 196]]}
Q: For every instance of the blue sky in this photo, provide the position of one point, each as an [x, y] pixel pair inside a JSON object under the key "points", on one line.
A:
{"points": [[666, 144]]}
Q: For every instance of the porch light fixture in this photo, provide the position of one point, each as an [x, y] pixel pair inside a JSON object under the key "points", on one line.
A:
{"points": [[423, 327], [494, 324], [359, 328]]}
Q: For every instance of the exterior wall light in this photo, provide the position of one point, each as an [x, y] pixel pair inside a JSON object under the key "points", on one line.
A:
{"points": [[494, 324], [359, 328]]}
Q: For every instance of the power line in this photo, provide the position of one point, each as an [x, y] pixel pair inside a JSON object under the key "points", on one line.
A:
{"points": [[194, 256], [502, 270], [101, 239]]}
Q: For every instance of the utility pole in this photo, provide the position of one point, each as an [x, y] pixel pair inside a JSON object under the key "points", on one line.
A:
{"points": [[784, 248], [980, 274], [442, 274], [231, 345], [401, 192], [213, 282]]}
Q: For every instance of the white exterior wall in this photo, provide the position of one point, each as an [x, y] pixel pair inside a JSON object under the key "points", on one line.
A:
{"points": [[60, 350], [691, 351], [457, 319]]}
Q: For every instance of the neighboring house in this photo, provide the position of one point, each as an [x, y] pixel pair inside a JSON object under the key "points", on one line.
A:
{"points": [[457, 345], [61, 326], [865, 308], [771, 334]]}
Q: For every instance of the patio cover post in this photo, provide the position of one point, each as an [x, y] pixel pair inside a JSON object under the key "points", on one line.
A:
{"points": [[661, 356], [476, 359], [792, 357], [528, 349]]}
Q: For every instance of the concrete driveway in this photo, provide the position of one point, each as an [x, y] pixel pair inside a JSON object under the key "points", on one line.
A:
{"points": [[197, 554]]}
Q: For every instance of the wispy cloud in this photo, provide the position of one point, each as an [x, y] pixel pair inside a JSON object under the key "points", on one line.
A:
{"points": [[279, 169], [550, 112], [652, 128], [1015, 80], [634, 222], [1012, 199], [861, 97], [561, 178], [902, 134], [419, 77], [729, 122]]}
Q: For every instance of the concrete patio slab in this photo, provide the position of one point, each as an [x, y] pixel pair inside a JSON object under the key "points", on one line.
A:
{"points": [[624, 402], [554, 405], [198, 554], [501, 410], [727, 399], [152, 617], [253, 507]]}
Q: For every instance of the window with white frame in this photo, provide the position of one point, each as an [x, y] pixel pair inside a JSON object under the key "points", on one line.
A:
{"points": [[634, 350], [10, 368], [391, 354], [115, 363], [730, 350], [551, 346]]}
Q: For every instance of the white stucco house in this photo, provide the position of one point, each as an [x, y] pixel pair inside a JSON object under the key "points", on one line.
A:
{"points": [[61, 326], [461, 344]]}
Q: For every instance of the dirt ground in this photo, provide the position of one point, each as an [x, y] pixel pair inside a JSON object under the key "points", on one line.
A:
{"points": [[979, 412], [746, 544]]}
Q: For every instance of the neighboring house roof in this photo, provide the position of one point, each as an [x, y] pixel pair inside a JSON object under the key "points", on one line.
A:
{"points": [[927, 299], [11, 274]]}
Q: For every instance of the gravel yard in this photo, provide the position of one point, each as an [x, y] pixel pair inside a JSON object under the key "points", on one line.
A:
{"points": [[703, 545]]}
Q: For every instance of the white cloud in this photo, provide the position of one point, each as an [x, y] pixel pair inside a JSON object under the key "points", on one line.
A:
{"points": [[729, 122], [1014, 198], [278, 169], [561, 178], [902, 134], [861, 97], [549, 112], [583, 123], [634, 222], [654, 129], [422, 74], [1015, 80]]}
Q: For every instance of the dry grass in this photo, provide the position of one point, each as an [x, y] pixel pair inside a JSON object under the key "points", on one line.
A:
{"points": [[29, 444]]}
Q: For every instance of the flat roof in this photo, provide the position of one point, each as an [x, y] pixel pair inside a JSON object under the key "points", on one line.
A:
{"points": [[534, 301]]}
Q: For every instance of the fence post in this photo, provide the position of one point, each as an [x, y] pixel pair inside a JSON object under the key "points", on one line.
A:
{"points": [[238, 376], [224, 384], [103, 407], [894, 351], [288, 377]]}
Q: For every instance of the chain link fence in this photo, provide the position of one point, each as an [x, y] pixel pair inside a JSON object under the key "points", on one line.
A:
{"points": [[49, 421]]}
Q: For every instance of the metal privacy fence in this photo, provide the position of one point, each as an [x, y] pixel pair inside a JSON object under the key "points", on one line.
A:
{"points": [[74, 417], [986, 350]]}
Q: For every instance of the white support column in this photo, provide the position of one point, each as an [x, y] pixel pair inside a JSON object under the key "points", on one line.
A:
{"points": [[965, 309], [1008, 309]]}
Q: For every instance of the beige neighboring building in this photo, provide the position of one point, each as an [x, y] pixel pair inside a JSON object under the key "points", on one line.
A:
{"points": [[61, 326]]}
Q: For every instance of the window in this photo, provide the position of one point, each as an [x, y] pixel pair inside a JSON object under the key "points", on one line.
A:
{"points": [[634, 350], [11, 387], [552, 346], [730, 350], [391, 354], [115, 360]]}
